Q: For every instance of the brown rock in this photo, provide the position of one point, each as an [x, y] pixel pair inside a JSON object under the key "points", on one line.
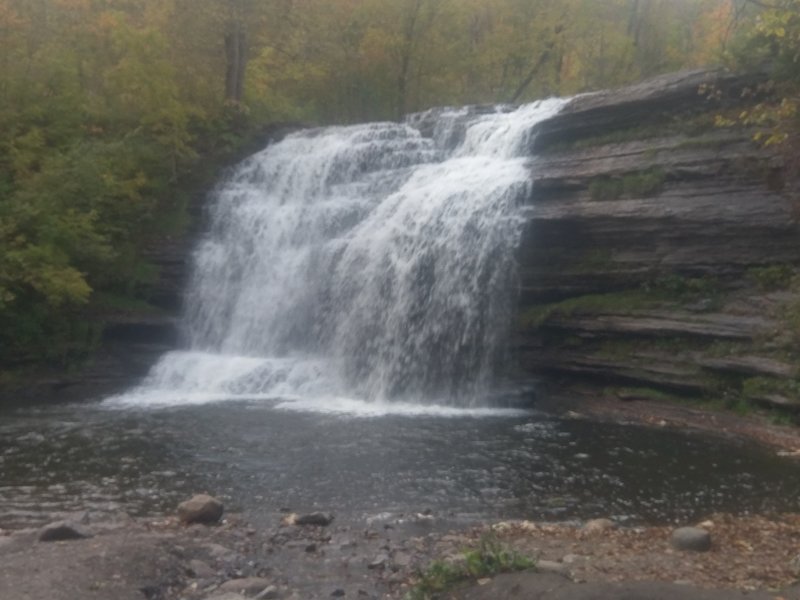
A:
{"points": [[62, 532], [249, 586], [596, 525], [202, 508], [316, 518]]}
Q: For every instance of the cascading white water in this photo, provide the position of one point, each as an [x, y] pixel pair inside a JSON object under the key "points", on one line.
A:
{"points": [[371, 263]]}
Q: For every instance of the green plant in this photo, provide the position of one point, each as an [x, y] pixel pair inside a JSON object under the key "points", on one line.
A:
{"points": [[606, 188], [773, 277], [644, 184], [683, 288], [489, 558], [756, 387], [640, 184]]}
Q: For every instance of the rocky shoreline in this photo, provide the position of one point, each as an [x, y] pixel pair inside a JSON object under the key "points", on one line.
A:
{"points": [[312, 556], [637, 410]]}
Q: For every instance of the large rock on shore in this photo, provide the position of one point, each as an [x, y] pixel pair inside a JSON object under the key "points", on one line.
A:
{"points": [[62, 532], [691, 538], [201, 508]]}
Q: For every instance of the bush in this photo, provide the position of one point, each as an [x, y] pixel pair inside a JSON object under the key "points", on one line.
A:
{"points": [[489, 558]]}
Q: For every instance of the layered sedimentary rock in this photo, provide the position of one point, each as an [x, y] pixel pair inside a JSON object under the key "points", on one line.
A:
{"points": [[660, 251]]}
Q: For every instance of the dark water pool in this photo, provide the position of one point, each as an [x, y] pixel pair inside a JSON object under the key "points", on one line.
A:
{"points": [[260, 459]]}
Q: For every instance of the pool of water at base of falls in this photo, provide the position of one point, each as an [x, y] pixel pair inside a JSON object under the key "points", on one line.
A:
{"points": [[461, 465]]}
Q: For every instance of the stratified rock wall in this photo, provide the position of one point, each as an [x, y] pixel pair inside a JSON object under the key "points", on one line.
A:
{"points": [[660, 252]]}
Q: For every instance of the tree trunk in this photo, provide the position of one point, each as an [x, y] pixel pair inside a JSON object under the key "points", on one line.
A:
{"points": [[531, 74], [409, 35], [235, 63]]}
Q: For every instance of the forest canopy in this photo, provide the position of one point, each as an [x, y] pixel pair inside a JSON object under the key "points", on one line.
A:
{"points": [[111, 111]]}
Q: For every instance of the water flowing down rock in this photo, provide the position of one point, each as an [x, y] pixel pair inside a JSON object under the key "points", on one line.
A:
{"points": [[368, 263]]}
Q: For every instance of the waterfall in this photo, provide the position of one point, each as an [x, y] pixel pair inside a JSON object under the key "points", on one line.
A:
{"points": [[373, 263]]}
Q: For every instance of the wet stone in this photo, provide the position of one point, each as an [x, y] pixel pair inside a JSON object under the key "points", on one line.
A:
{"points": [[197, 568], [692, 539], [378, 562], [201, 508], [596, 525], [268, 593], [316, 518], [246, 585], [550, 566], [62, 532]]}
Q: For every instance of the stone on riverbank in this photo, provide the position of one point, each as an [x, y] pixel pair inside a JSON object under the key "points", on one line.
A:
{"points": [[202, 508], [62, 532], [551, 566], [249, 586], [316, 518], [596, 525], [691, 538]]}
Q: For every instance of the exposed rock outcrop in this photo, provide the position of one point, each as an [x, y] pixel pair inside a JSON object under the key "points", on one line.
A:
{"points": [[660, 252]]}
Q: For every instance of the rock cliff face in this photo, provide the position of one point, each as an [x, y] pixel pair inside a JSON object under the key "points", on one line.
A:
{"points": [[660, 252]]}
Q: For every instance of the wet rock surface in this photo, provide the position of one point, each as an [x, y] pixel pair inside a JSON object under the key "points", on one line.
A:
{"points": [[63, 531], [201, 508], [629, 212], [318, 519], [693, 539]]}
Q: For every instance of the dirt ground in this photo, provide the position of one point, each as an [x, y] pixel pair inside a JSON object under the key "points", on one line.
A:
{"points": [[164, 560]]}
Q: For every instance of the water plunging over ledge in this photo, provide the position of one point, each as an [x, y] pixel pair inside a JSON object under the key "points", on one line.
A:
{"points": [[366, 270], [357, 266]]}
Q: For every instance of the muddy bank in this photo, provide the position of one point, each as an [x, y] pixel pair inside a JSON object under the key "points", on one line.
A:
{"points": [[161, 559], [638, 410]]}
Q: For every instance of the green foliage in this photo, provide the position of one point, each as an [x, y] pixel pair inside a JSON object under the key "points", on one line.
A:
{"points": [[488, 559], [606, 188], [642, 184], [771, 38], [665, 291], [114, 112], [772, 277], [757, 387], [616, 302], [683, 289]]}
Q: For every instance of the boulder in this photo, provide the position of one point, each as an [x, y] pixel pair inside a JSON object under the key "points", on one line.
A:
{"points": [[692, 539], [198, 568], [202, 508], [268, 593], [62, 532], [249, 586], [596, 525], [551, 566], [316, 518], [378, 562]]}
